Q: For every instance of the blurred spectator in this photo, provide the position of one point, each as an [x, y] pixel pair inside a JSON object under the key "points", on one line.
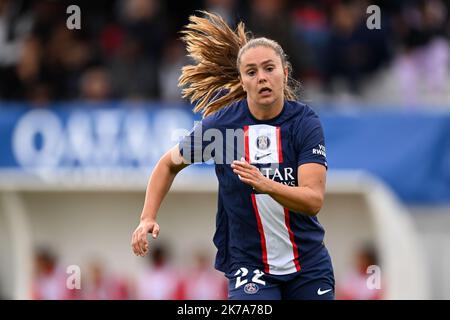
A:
{"points": [[159, 281], [354, 51], [203, 281], [268, 18], [111, 39], [40, 95], [422, 66], [354, 284], [49, 282], [135, 67], [224, 8], [133, 75], [132, 47], [170, 70], [47, 14], [14, 28], [145, 20], [101, 285], [28, 69], [96, 85], [311, 26]]}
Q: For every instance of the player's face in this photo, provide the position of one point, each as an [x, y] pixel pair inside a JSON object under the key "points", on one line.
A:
{"points": [[263, 76]]}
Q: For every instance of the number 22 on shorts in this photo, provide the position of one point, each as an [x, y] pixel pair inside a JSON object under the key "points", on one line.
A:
{"points": [[243, 272]]}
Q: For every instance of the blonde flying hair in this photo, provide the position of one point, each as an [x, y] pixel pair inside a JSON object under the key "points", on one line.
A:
{"points": [[216, 50]]}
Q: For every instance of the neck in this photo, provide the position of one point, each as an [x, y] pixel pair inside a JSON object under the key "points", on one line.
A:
{"points": [[265, 112]]}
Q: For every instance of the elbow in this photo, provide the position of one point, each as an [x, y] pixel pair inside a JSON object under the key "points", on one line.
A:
{"points": [[315, 206], [312, 211], [173, 161]]}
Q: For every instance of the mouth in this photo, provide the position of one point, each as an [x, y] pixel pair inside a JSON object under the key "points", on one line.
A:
{"points": [[265, 91]]}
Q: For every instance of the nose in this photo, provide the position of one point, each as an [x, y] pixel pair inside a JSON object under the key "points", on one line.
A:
{"points": [[261, 77]]}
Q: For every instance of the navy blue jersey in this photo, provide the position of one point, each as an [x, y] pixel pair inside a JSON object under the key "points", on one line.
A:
{"points": [[252, 229]]}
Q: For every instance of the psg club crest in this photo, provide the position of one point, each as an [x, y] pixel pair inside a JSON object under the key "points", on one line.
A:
{"points": [[262, 142], [251, 288]]}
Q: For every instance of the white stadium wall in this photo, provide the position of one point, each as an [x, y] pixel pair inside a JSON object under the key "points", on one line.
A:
{"points": [[360, 208]]}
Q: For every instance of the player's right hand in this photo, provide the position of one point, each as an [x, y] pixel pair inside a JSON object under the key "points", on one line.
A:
{"points": [[139, 241]]}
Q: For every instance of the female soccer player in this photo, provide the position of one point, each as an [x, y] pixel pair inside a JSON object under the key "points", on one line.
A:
{"points": [[270, 163]]}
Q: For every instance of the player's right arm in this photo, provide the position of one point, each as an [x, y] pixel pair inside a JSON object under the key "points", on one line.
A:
{"points": [[158, 186]]}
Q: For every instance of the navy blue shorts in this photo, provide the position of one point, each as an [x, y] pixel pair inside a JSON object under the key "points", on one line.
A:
{"points": [[315, 283]]}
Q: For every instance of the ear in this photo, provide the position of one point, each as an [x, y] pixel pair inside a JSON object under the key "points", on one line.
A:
{"points": [[242, 84], [286, 74]]}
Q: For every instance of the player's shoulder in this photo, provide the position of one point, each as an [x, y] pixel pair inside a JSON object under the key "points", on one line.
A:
{"points": [[228, 113], [301, 112]]}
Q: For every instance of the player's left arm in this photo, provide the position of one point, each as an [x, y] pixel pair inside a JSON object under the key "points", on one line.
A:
{"points": [[306, 198]]}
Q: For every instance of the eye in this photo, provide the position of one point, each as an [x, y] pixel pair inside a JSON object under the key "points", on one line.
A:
{"points": [[270, 68], [251, 73]]}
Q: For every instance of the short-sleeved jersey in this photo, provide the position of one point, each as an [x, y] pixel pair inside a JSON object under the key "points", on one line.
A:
{"points": [[252, 229]]}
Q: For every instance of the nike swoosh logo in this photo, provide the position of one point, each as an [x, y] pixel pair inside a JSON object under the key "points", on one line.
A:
{"points": [[260, 156], [320, 292]]}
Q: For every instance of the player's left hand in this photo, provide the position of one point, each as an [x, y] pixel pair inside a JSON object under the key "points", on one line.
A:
{"points": [[251, 175]]}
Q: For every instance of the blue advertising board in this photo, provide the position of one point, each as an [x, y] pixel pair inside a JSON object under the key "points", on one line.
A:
{"points": [[409, 151]]}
